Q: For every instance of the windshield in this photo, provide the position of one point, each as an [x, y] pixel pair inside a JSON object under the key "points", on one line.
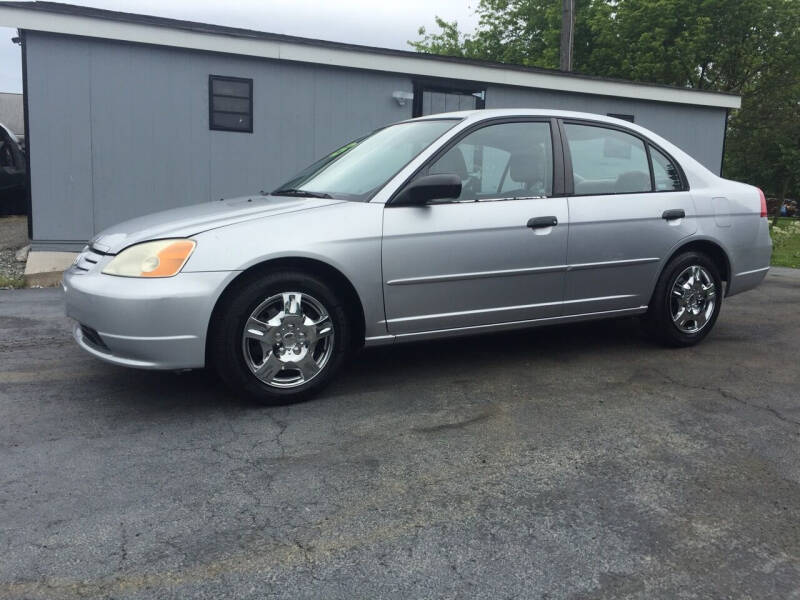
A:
{"points": [[359, 169]]}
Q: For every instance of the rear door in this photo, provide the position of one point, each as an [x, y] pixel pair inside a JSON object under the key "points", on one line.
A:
{"points": [[629, 206]]}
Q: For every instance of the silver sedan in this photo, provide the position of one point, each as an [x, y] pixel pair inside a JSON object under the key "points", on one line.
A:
{"points": [[452, 224]]}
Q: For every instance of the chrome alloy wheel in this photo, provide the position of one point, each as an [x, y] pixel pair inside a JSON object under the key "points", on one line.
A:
{"points": [[693, 299], [288, 339]]}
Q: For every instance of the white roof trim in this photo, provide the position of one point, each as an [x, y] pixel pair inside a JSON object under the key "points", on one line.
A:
{"points": [[422, 65]]}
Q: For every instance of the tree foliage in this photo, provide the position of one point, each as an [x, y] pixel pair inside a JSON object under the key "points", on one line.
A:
{"points": [[749, 47]]}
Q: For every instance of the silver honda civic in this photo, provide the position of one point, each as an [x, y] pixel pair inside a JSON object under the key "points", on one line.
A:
{"points": [[452, 224]]}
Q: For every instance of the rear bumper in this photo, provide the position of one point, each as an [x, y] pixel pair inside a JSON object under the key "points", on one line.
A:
{"points": [[747, 280], [752, 261], [148, 324]]}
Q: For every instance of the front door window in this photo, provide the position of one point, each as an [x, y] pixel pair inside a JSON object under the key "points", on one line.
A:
{"points": [[507, 160]]}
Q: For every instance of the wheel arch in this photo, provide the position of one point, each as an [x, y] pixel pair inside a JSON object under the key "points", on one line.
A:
{"points": [[330, 274], [711, 249]]}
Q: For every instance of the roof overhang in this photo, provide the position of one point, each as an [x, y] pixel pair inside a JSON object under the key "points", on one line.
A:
{"points": [[180, 34]]}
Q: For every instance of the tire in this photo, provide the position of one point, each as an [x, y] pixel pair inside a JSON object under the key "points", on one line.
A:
{"points": [[691, 274], [246, 353]]}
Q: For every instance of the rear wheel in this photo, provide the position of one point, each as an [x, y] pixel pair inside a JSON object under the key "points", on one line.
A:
{"points": [[280, 338], [686, 301]]}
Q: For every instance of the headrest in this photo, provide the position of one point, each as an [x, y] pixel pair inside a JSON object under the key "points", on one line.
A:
{"points": [[632, 181], [528, 168], [452, 162]]}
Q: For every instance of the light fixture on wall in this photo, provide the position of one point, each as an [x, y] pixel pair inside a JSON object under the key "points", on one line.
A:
{"points": [[402, 97]]}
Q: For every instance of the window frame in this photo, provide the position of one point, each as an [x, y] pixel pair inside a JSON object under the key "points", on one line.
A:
{"points": [[214, 127], [622, 117], [463, 88], [681, 176], [557, 153], [569, 175]]}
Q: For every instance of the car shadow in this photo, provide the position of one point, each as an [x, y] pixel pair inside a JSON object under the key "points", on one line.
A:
{"points": [[385, 363], [382, 368]]}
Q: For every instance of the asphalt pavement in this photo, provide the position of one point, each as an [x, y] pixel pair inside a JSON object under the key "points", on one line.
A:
{"points": [[573, 462]]}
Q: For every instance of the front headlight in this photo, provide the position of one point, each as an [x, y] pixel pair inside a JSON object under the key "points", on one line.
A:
{"points": [[161, 258]]}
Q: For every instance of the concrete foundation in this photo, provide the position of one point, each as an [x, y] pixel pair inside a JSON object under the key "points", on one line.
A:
{"points": [[45, 268]]}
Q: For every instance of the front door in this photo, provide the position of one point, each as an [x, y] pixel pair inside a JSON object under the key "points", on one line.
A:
{"points": [[494, 255], [629, 209]]}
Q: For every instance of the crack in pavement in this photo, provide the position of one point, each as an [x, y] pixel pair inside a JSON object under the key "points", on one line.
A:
{"points": [[282, 426], [729, 396]]}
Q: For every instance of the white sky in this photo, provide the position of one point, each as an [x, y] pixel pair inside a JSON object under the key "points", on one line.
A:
{"points": [[388, 24]]}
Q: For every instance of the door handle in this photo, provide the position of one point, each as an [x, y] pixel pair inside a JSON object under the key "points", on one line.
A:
{"points": [[674, 213], [540, 222]]}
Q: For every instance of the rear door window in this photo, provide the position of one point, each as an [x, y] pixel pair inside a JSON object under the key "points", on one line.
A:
{"points": [[607, 161]]}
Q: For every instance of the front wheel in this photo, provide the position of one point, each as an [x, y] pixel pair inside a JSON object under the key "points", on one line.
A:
{"points": [[686, 301], [280, 338]]}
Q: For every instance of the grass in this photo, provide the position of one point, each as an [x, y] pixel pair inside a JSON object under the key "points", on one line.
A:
{"points": [[785, 242], [11, 282]]}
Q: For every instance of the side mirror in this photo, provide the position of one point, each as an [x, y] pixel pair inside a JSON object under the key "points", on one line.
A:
{"points": [[427, 188]]}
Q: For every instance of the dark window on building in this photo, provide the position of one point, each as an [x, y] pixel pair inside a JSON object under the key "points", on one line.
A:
{"points": [[441, 98], [623, 117], [230, 104]]}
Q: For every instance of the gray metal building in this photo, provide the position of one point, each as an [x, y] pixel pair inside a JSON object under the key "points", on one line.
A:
{"points": [[129, 114]]}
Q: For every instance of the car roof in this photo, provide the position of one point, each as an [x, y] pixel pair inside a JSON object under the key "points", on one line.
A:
{"points": [[490, 113]]}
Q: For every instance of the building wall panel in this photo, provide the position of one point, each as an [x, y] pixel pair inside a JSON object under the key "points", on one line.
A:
{"points": [[60, 138], [120, 130]]}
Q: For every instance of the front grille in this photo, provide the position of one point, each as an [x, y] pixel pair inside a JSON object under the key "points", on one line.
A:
{"points": [[93, 338]]}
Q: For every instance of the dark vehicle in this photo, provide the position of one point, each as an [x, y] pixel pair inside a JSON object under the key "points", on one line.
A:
{"points": [[12, 174]]}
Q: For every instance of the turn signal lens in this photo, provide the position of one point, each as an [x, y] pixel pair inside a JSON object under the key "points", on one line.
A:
{"points": [[763, 203], [161, 258]]}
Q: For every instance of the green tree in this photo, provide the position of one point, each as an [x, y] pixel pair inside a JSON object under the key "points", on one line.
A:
{"points": [[509, 31], [763, 146], [750, 47]]}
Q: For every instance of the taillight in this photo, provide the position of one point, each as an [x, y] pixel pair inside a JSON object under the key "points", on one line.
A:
{"points": [[763, 203]]}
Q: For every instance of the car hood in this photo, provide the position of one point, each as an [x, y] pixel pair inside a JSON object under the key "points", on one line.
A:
{"points": [[191, 220]]}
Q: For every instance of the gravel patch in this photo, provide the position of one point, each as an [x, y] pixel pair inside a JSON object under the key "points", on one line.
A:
{"points": [[13, 232], [11, 270], [13, 236]]}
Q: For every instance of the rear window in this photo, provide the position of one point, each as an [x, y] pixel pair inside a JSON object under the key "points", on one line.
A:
{"points": [[667, 177]]}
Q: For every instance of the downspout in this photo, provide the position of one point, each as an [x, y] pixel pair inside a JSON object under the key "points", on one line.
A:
{"points": [[724, 139], [26, 119]]}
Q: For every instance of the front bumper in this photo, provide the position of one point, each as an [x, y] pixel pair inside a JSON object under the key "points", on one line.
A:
{"points": [[143, 323]]}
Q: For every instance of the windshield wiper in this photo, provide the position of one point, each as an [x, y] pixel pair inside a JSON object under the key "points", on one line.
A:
{"points": [[300, 193]]}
